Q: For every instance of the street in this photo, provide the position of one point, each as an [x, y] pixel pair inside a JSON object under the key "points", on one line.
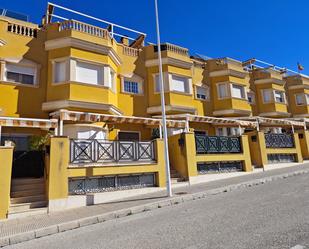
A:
{"points": [[273, 215]]}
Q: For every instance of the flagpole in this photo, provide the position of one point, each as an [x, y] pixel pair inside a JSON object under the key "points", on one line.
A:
{"points": [[166, 155]]}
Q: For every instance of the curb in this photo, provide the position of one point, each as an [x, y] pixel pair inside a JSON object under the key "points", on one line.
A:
{"points": [[46, 231]]}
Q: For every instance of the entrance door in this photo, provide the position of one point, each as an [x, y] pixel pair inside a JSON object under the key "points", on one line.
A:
{"points": [[26, 162]]}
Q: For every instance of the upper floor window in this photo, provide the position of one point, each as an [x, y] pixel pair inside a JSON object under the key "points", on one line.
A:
{"points": [[20, 73], [223, 91], [179, 84], [279, 96], [238, 91], [300, 99], [131, 87], [202, 92], [251, 97], [76, 70], [89, 73], [267, 95]]}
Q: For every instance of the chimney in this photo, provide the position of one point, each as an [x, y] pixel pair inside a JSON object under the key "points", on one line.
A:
{"points": [[124, 41]]}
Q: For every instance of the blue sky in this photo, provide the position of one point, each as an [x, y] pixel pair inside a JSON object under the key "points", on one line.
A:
{"points": [[276, 31]]}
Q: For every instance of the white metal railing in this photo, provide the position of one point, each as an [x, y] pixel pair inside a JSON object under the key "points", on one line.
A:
{"points": [[112, 26], [22, 30], [83, 27], [130, 51]]}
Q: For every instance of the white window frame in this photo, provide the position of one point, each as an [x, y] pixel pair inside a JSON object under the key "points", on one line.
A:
{"points": [[271, 100], [283, 97], [228, 90], [243, 91], [109, 75], [22, 63], [167, 80], [133, 78], [207, 93], [67, 70], [156, 84], [187, 82], [304, 98]]}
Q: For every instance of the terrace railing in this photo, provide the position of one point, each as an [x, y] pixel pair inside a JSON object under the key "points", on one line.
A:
{"points": [[92, 151], [18, 29], [83, 27], [279, 140], [217, 144]]}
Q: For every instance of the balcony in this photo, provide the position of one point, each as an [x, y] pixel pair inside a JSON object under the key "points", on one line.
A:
{"points": [[75, 95], [267, 75], [225, 67]]}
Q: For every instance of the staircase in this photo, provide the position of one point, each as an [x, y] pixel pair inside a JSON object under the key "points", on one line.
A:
{"points": [[176, 177], [27, 197]]}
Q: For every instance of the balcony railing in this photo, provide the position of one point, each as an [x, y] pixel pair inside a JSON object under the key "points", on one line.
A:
{"points": [[22, 30], [172, 48], [130, 51], [83, 27], [217, 144], [274, 140], [90, 151]]}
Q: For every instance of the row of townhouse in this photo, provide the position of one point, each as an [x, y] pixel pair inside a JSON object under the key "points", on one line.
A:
{"points": [[94, 98]]}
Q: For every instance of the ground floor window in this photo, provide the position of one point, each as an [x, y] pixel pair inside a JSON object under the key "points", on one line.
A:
{"points": [[128, 136]]}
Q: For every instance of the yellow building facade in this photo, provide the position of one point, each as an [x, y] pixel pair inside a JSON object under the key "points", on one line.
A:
{"points": [[91, 99]]}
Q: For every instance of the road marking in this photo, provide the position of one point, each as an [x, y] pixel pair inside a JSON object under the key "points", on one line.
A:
{"points": [[298, 247]]}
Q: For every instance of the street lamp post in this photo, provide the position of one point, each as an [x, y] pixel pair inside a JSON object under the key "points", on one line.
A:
{"points": [[167, 161]]}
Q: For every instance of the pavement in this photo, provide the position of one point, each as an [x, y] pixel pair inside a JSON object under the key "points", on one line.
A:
{"points": [[274, 215], [29, 228]]}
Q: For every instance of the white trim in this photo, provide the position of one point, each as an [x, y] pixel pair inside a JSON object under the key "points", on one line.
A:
{"points": [[273, 114], [231, 111], [184, 109], [270, 80], [299, 87], [170, 61], [228, 72], [81, 44], [207, 89], [63, 104], [228, 88]]}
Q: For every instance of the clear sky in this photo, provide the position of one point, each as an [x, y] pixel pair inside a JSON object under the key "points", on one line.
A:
{"points": [[276, 31]]}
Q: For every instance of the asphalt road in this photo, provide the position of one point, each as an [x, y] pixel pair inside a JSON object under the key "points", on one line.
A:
{"points": [[273, 215]]}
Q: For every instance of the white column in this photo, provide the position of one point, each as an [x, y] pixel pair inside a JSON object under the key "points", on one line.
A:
{"points": [[240, 130], [56, 131], [187, 125], [160, 130], [61, 128], [293, 129]]}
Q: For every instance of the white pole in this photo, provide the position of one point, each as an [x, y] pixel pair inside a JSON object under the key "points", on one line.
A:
{"points": [[61, 127], [160, 130], [167, 163]]}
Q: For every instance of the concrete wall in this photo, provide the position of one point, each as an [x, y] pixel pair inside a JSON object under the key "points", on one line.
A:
{"points": [[6, 160]]}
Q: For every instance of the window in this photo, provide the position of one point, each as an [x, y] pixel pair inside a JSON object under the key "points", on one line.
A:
{"points": [[130, 87], [279, 97], [128, 136], [202, 92], [238, 91], [223, 91], [89, 73], [251, 98], [228, 131], [179, 84], [300, 99], [267, 95], [60, 71], [20, 74]]}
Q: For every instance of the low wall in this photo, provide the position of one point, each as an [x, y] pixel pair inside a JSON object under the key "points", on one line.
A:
{"points": [[6, 161], [184, 159], [259, 152], [59, 170]]}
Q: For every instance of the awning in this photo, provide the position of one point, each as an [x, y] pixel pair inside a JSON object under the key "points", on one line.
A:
{"points": [[273, 122], [75, 116], [213, 120], [28, 122]]}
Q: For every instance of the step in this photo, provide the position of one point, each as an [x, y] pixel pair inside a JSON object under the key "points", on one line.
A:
{"points": [[21, 207], [15, 188], [27, 199], [175, 175], [25, 181], [26, 193], [30, 212], [178, 179]]}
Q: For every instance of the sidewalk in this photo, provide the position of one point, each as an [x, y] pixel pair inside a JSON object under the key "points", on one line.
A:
{"points": [[23, 229]]}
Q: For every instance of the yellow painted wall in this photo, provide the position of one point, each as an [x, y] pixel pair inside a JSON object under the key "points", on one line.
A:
{"points": [[6, 160], [304, 143]]}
